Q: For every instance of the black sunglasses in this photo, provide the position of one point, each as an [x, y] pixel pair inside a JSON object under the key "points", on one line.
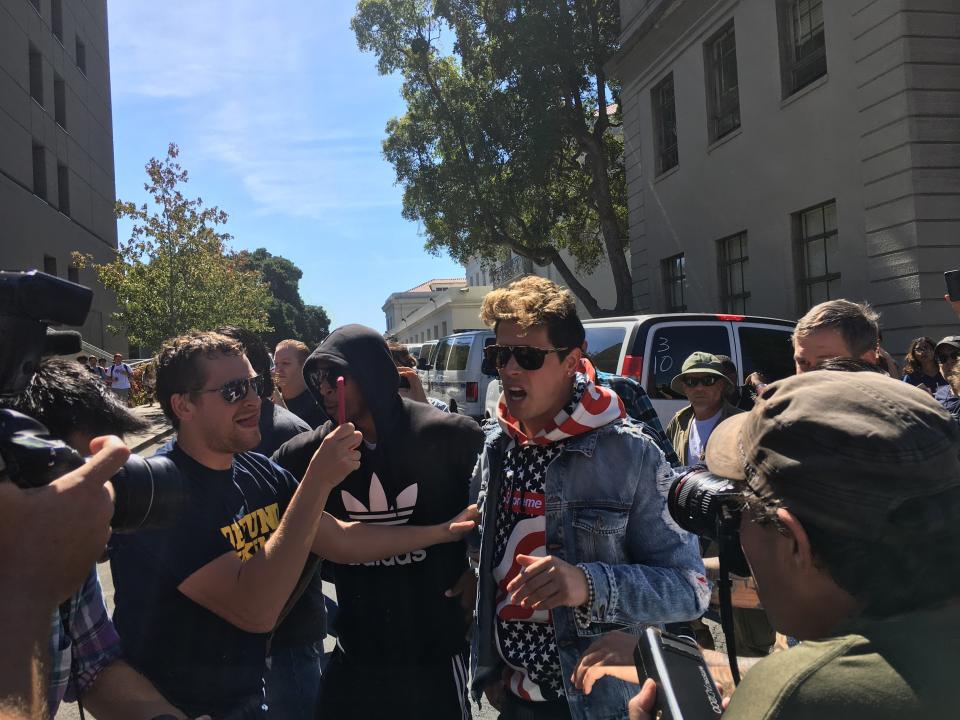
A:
{"points": [[527, 356], [329, 376], [236, 390], [706, 381], [947, 357]]}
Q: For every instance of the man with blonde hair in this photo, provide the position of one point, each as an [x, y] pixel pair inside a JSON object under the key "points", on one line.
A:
{"points": [[836, 328], [289, 357], [575, 534]]}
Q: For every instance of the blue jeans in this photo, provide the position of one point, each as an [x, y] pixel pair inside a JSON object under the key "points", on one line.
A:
{"points": [[293, 682]]}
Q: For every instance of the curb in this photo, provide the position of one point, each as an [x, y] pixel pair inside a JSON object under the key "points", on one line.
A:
{"points": [[152, 439]]}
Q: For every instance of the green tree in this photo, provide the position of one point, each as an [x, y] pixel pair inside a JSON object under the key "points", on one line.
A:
{"points": [[288, 315], [176, 271], [512, 141]]}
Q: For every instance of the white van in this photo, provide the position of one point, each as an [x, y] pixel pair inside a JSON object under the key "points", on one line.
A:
{"points": [[652, 348], [454, 372]]}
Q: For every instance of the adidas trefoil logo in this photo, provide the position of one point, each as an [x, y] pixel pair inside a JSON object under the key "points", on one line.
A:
{"points": [[380, 511]]}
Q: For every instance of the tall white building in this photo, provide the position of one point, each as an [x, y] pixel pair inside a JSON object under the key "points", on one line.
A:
{"points": [[57, 188], [783, 152]]}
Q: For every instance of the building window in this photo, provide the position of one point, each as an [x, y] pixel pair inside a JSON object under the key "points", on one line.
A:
{"points": [[63, 189], [428, 335], [56, 19], [803, 52], [674, 278], [436, 331], [60, 101], [73, 274], [817, 254], [664, 124], [732, 263], [39, 171], [49, 264], [81, 55], [36, 75], [444, 327], [723, 100]]}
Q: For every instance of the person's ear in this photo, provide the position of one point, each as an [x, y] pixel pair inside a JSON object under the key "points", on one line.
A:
{"points": [[571, 361], [182, 406], [801, 554]]}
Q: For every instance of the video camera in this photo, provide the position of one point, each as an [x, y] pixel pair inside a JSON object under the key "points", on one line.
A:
{"points": [[148, 492]]}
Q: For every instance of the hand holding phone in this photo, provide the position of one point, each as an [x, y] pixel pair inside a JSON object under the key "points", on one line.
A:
{"points": [[685, 689], [952, 278]]}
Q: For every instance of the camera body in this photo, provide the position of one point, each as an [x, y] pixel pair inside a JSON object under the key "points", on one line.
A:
{"points": [[685, 688], [147, 493]]}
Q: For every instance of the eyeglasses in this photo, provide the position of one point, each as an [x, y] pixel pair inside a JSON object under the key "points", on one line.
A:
{"points": [[706, 381], [329, 376], [236, 390], [947, 357], [527, 356]]}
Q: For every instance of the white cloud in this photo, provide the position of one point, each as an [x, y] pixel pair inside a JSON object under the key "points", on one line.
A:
{"points": [[266, 92]]}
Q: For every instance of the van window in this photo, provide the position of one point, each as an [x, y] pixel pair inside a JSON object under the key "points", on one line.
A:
{"points": [[441, 351], [674, 344], [459, 353], [603, 347], [767, 351]]}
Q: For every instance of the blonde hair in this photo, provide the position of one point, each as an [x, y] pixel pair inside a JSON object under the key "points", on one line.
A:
{"points": [[533, 300], [300, 347]]}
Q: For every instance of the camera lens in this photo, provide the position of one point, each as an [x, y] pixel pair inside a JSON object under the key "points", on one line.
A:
{"points": [[150, 493], [698, 498]]}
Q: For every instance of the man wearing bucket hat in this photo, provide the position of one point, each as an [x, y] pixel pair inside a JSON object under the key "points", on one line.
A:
{"points": [[703, 382], [852, 490], [946, 353]]}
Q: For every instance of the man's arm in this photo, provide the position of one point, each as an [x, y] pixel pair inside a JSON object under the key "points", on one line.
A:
{"points": [[121, 693], [251, 594], [355, 542], [743, 590]]}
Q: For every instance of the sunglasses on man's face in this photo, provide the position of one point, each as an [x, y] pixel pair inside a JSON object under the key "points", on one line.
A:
{"points": [[706, 381], [329, 376], [236, 390], [527, 356], [947, 357]]}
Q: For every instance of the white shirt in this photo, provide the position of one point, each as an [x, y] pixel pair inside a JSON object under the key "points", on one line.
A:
{"points": [[699, 434], [120, 374]]}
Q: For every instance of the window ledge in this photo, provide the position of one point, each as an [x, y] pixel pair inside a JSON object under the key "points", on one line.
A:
{"points": [[808, 88], [725, 139], [667, 173]]}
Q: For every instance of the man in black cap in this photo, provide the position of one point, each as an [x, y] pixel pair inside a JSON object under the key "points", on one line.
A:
{"points": [[852, 490]]}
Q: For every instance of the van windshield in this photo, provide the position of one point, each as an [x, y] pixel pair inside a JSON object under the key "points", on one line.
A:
{"points": [[673, 344], [439, 355], [459, 353], [603, 347]]}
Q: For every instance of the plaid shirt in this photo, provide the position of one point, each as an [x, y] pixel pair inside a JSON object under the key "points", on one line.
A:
{"points": [[638, 406], [82, 636]]}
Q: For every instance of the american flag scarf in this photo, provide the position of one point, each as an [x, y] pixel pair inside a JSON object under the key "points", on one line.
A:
{"points": [[590, 407]]}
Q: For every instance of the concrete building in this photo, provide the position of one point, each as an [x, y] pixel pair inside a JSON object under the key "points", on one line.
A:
{"points": [[433, 309], [782, 153], [598, 283], [56, 145]]}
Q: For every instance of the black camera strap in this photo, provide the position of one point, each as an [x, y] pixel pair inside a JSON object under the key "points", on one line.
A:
{"points": [[727, 536]]}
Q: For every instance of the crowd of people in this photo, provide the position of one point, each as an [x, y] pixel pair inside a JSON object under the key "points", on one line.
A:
{"points": [[517, 561]]}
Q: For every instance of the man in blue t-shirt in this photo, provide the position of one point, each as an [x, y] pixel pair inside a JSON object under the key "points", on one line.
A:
{"points": [[196, 602]]}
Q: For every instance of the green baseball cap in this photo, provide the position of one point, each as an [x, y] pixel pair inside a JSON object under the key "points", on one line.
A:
{"points": [[700, 363], [842, 450]]}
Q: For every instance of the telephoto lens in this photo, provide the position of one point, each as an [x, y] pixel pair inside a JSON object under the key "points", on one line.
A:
{"points": [[698, 499], [149, 493]]}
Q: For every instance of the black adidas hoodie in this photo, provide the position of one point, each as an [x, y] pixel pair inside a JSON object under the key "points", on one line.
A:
{"points": [[394, 610]]}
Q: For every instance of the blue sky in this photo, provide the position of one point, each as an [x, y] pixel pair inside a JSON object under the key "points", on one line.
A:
{"points": [[279, 118]]}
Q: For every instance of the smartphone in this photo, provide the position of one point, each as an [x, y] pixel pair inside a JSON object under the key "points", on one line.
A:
{"points": [[685, 687], [952, 278], [341, 404]]}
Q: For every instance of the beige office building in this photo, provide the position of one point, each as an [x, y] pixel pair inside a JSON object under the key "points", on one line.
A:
{"points": [[783, 152], [56, 145]]}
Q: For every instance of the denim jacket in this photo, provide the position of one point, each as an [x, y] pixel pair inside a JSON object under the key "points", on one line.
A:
{"points": [[606, 508]]}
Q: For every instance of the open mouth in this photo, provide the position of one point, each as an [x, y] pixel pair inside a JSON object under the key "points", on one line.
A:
{"points": [[248, 421], [515, 394]]}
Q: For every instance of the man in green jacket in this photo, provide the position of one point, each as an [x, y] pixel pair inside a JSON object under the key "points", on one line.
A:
{"points": [[706, 386]]}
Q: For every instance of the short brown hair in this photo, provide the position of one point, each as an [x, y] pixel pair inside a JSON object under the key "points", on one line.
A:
{"points": [[400, 355], [179, 369], [857, 323], [300, 347], [533, 300]]}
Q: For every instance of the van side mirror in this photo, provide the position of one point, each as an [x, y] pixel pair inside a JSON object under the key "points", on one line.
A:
{"points": [[422, 364], [488, 368]]}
